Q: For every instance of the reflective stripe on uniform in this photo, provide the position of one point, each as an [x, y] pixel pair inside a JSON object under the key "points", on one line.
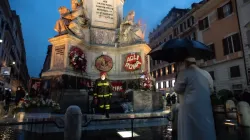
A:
{"points": [[105, 95], [107, 106], [110, 94], [95, 94], [101, 106], [103, 84]]}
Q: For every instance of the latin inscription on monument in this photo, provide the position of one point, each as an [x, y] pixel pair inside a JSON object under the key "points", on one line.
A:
{"points": [[104, 11], [59, 57]]}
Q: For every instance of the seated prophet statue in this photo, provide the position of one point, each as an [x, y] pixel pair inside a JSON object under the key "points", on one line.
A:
{"points": [[130, 32], [72, 22]]}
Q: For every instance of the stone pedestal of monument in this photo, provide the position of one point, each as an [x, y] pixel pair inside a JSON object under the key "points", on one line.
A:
{"points": [[106, 42], [75, 97], [147, 101]]}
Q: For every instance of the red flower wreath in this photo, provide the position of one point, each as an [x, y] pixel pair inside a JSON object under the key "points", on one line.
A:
{"points": [[77, 59]]}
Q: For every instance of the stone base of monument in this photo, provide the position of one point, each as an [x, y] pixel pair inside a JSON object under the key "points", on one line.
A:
{"points": [[74, 97], [147, 101]]}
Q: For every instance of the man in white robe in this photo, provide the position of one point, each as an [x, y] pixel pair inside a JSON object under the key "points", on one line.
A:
{"points": [[195, 119]]}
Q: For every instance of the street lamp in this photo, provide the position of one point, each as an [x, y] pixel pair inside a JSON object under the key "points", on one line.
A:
{"points": [[13, 63], [1, 41]]}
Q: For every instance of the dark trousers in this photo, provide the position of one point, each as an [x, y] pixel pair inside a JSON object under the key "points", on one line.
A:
{"points": [[174, 134], [103, 104]]}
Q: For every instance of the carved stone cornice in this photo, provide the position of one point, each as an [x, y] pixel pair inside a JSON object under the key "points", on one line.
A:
{"points": [[64, 39]]}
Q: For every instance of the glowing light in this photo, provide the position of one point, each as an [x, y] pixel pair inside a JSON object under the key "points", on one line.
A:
{"points": [[229, 124], [167, 83], [156, 85], [1, 41], [161, 84], [169, 129], [173, 82], [127, 134]]}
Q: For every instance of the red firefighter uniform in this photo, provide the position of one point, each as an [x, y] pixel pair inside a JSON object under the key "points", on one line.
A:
{"points": [[103, 92]]}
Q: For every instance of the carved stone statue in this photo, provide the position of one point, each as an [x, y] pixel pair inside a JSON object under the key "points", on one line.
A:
{"points": [[72, 21], [130, 32]]}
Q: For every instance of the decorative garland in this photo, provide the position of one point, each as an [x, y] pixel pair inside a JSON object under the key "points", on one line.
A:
{"points": [[77, 59], [104, 63]]}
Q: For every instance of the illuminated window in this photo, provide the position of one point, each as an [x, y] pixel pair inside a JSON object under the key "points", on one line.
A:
{"points": [[173, 69], [161, 84], [156, 85], [167, 83], [161, 72], [166, 68], [173, 82]]}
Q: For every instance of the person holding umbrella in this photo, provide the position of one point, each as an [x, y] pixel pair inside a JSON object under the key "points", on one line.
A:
{"points": [[194, 87]]}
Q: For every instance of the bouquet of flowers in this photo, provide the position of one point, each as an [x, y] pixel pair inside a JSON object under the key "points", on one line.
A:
{"points": [[146, 82], [37, 103], [77, 59]]}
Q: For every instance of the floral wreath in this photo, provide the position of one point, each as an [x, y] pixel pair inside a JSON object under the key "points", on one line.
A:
{"points": [[77, 59]]}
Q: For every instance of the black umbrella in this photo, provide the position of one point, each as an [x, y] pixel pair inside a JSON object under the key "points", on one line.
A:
{"points": [[177, 50]]}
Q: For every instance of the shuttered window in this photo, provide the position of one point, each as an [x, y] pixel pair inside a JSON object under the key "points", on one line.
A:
{"points": [[232, 44], [225, 10], [211, 46], [203, 24]]}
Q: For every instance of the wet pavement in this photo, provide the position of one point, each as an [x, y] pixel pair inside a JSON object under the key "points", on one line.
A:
{"points": [[224, 132]]}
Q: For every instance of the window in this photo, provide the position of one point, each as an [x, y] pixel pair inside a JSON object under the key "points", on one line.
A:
{"points": [[237, 88], [154, 74], [212, 74], [158, 61], [153, 62], [190, 21], [203, 24], [193, 36], [164, 85], [181, 27], [225, 10], [159, 72], [231, 44], [170, 36], [170, 83], [176, 31], [163, 71], [169, 69], [165, 39], [185, 25], [235, 71], [211, 46]]}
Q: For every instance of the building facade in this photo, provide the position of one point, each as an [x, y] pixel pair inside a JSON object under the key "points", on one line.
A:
{"points": [[218, 28], [215, 23], [163, 72], [12, 50], [243, 7]]}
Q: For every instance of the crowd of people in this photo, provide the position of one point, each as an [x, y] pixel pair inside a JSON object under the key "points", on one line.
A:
{"points": [[6, 97]]}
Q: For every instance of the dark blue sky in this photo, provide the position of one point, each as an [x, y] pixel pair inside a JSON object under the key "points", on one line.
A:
{"points": [[38, 18]]}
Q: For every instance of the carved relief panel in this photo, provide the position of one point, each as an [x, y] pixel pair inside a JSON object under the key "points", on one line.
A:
{"points": [[102, 36]]}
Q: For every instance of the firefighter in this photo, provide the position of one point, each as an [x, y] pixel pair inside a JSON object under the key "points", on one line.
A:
{"points": [[103, 93]]}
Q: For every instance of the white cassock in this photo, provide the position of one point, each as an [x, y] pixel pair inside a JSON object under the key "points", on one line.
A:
{"points": [[195, 119]]}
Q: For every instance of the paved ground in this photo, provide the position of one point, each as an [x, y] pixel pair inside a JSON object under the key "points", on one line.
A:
{"points": [[149, 133]]}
